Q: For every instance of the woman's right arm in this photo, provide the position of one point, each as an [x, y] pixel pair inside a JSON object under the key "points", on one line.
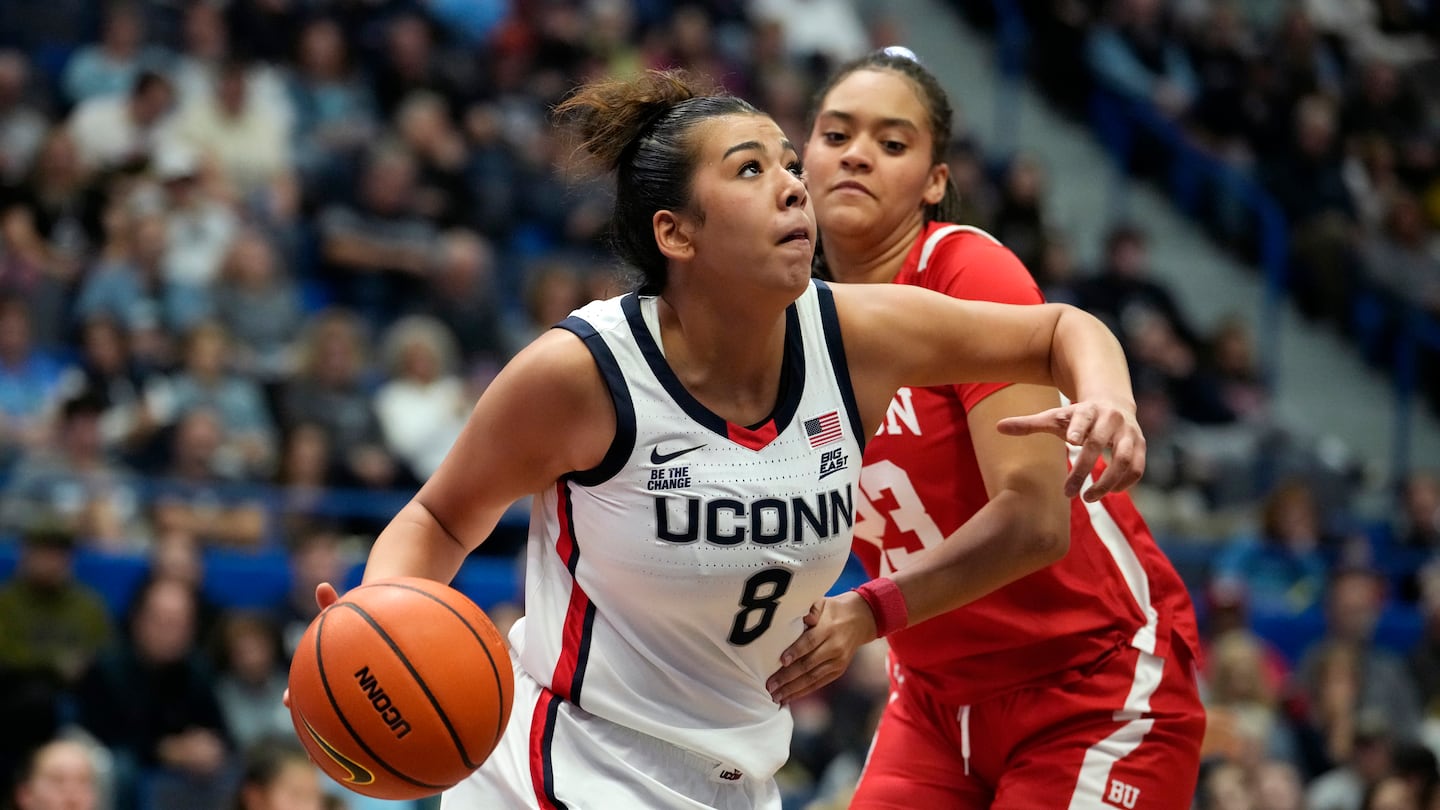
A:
{"points": [[547, 413]]}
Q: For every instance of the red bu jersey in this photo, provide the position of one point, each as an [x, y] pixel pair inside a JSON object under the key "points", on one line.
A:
{"points": [[921, 482]]}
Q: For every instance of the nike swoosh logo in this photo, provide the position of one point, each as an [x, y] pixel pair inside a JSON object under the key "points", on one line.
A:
{"points": [[656, 457], [359, 774]]}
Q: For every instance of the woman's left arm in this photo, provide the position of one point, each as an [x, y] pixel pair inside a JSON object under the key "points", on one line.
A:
{"points": [[917, 337], [898, 335]]}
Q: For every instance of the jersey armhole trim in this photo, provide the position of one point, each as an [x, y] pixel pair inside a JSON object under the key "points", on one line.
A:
{"points": [[934, 239], [624, 442], [830, 322]]}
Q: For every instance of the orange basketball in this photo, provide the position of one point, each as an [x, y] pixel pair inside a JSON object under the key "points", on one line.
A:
{"points": [[400, 689]]}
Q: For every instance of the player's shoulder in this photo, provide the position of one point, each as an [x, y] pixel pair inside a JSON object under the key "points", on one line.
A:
{"points": [[951, 248], [965, 262], [558, 359]]}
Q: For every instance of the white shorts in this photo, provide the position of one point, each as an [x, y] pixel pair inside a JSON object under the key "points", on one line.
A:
{"points": [[554, 755]]}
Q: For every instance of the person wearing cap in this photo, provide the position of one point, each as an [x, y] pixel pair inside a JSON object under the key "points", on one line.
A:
{"points": [[49, 622], [51, 628]]}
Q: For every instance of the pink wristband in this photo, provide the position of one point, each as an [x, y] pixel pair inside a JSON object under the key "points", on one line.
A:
{"points": [[887, 603]]}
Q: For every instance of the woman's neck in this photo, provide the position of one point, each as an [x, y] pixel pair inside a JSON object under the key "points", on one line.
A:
{"points": [[861, 258], [728, 358]]}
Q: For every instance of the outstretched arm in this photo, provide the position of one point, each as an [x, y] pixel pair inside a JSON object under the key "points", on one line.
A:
{"points": [[897, 335], [1025, 524]]}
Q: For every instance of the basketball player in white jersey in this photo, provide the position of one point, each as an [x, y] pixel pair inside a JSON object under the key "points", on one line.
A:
{"points": [[695, 449]]}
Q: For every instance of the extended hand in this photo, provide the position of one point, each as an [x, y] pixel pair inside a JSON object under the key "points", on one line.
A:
{"points": [[835, 628], [1095, 426]]}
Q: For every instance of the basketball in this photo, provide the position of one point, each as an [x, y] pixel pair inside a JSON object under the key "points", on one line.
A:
{"points": [[401, 689]]}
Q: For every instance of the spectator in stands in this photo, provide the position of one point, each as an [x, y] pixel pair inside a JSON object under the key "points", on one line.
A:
{"points": [[1358, 26], [152, 702], [335, 113], [831, 31], [1366, 683], [1351, 748], [1124, 289], [1400, 260], [106, 369], [62, 206], [442, 193], [1390, 792], [1224, 786], [248, 141], [1372, 178], [1020, 223], [1382, 102], [1424, 657], [1244, 720], [207, 50], [691, 45], [60, 775], [316, 556], [251, 679], [130, 283], [51, 626], [329, 390], [1222, 50], [461, 293], [1420, 511], [278, 776], [305, 476], [177, 555], [248, 449], [411, 62], [29, 269], [1307, 180], [111, 66], [29, 383], [423, 405], [570, 212], [22, 125], [377, 247], [1301, 62], [977, 198], [195, 498], [1157, 351], [75, 485], [1278, 787], [1418, 767], [1234, 370], [122, 130], [1136, 54], [258, 304], [555, 289], [199, 224], [1283, 569]]}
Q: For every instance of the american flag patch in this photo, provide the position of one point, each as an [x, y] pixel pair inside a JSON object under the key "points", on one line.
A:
{"points": [[824, 429]]}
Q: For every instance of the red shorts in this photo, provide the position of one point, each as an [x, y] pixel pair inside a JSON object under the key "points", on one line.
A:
{"points": [[1124, 732]]}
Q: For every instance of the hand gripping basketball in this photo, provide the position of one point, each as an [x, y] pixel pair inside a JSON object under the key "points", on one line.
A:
{"points": [[401, 689]]}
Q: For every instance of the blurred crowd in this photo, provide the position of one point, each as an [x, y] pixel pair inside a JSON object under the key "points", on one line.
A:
{"points": [[258, 258], [1329, 105], [1321, 618]]}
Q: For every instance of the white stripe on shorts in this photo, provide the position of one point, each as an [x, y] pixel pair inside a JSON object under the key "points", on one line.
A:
{"points": [[1094, 780]]}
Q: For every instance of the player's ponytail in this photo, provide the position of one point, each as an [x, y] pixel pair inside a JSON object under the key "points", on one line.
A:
{"points": [[640, 129]]}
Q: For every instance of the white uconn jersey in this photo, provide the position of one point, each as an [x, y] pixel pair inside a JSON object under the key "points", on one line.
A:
{"points": [[663, 585]]}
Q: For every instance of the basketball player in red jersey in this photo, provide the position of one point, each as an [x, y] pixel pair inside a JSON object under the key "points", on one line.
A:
{"points": [[1044, 651]]}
